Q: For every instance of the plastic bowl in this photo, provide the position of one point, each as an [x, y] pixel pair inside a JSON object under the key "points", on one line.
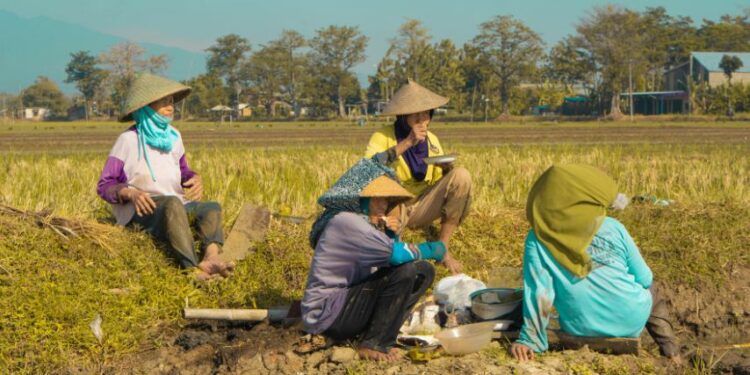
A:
{"points": [[494, 303], [466, 339]]}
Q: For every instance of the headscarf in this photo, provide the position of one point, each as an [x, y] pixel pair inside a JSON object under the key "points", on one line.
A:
{"points": [[343, 196], [566, 207], [153, 130], [414, 156]]}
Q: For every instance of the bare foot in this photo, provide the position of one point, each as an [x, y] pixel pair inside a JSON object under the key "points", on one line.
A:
{"points": [[228, 269], [201, 275], [213, 265], [395, 354], [374, 355], [676, 360]]}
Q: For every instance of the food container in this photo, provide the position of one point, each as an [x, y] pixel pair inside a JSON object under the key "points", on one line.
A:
{"points": [[466, 339], [494, 303]]}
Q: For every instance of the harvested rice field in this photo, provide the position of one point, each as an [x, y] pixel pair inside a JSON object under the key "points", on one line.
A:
{"points": [[54, 284]]}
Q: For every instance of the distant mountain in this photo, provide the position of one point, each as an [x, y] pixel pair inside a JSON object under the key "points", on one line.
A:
{"points": [[30, 47]]}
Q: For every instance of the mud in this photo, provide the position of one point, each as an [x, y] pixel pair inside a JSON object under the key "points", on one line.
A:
{"points": [[706, 318]]}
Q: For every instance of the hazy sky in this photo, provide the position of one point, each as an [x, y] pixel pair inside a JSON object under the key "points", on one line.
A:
{"points": [[195, 24]]}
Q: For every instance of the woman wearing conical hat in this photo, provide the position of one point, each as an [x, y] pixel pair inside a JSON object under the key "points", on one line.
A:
{"points": [[150, 186], [363, 280], [442, 190]]}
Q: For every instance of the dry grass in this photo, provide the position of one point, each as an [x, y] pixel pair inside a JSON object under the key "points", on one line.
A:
{"points": [[53, 287]]}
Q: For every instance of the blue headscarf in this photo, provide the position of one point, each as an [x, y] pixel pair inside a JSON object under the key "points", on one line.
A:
{"points": [[153, 130]]}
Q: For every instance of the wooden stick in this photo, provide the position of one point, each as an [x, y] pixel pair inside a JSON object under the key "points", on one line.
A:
{"points": [[246, 315]]}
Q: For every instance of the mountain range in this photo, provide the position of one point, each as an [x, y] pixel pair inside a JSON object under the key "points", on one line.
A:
{"points": [[41, 46]]}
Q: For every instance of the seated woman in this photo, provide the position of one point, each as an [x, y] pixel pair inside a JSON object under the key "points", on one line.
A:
{"points": [[585, 265], [443, 192], [149, 184], [363, 281]]}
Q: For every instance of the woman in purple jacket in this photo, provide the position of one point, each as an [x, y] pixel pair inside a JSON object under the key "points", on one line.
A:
{"points": [[149, 184], [363, 280]]}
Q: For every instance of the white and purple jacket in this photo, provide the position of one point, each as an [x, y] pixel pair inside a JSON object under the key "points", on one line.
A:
{"points": [[124, 168]]}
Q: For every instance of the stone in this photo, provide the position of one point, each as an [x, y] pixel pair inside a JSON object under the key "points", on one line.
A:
{"points": [[343, 355], [315, 359], [294, 362], [271, 361]]}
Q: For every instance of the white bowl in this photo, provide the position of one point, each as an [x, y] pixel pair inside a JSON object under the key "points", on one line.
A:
{"points": [[466, 339]]}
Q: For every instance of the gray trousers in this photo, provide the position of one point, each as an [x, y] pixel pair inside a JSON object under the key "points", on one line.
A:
{"points": [[170, 225], [660, 327]]}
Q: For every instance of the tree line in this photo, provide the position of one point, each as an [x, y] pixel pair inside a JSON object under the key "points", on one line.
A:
{"points": [[506, 69]]}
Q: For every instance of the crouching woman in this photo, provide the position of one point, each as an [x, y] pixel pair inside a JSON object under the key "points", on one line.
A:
{"points": [[585, 265], [363, 281]]}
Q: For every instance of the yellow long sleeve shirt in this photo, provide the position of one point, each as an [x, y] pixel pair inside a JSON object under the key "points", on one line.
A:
{"points": [[385, 138]]}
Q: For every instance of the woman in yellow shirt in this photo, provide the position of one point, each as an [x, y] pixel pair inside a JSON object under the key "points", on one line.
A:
{"points": [[443, 191]]}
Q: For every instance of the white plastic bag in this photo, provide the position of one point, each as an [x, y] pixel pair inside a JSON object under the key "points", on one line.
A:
{"points": [[453, 291]]}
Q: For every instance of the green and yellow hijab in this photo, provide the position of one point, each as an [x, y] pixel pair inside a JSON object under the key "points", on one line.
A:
{"points": [[566, 206]]}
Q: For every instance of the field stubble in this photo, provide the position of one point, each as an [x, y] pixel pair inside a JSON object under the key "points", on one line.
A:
{"points": [[53, 288]]}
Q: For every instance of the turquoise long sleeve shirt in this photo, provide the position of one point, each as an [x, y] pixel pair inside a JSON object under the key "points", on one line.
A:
{"points": [[613, 300]]}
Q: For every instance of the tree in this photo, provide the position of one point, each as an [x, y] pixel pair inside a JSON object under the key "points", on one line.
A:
{"points": [[335, 51], [511, 50], [474, 73], [409, 49], [731, 33], [228, 55], [568, 65], [125, 61], [46, 94], [730, 64], [88, 78], [612, 37], [208, 91], [444, 73], [266, 75], [293, 63]]}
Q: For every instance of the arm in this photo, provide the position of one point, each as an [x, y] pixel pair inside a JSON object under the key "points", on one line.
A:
{"points": [[538, 298], [376, 148], [373, 248], [636, 265], [405, 252], [185, 172], [191, 181], [112, 180]]}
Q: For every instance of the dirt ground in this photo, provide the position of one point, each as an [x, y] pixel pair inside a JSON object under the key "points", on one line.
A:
{"points": [[706, 318], [51, 138]]}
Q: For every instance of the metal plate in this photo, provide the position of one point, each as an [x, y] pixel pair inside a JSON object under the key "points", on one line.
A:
{"points": [[442, 159]]}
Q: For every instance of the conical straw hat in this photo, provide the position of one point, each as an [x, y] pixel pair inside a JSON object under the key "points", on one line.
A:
{"points": [[413, 98], [385, 187], [148, 88]]}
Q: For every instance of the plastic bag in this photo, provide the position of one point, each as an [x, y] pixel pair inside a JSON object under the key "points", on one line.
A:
{"points": [[453, 291], [422, 321]]}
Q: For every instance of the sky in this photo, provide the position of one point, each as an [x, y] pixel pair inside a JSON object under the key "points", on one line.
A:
{"points": [[195, 24]]}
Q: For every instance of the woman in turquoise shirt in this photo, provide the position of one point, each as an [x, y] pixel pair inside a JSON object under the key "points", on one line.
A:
{"points": [[585, 265]]}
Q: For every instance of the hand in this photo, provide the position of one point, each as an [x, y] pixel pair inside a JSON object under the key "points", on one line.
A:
{"points": [[142, 201], [521, 352], [446, 167], [418, 134], [454, 266], [193, 188], [392, 223]]}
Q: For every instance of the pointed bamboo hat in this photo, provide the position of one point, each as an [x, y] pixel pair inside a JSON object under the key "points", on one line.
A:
{"points": [[385, 187], [148, 88], [413, 98]]}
